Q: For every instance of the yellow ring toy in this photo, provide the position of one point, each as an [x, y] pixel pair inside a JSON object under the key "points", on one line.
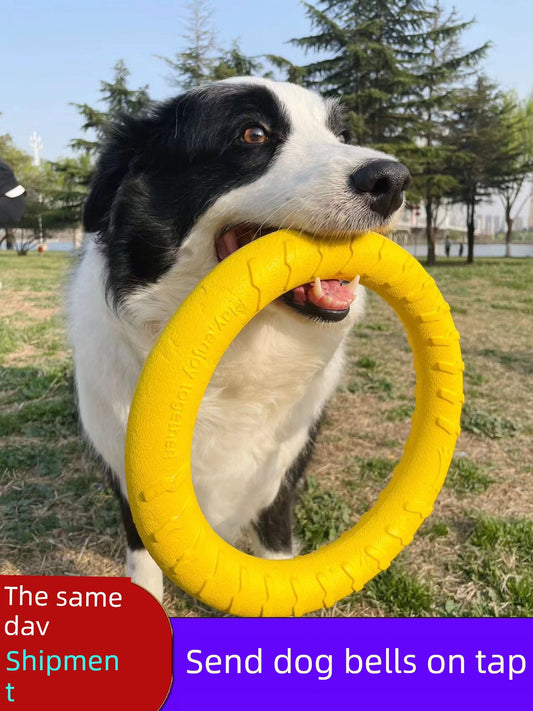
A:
{"points": [[171, 387]]}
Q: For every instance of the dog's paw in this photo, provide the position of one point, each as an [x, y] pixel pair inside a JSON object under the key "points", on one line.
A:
{"points": [[144, 571]]}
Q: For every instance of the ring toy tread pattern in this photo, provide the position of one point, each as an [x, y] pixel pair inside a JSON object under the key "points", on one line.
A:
{"points": [[171, 388]]}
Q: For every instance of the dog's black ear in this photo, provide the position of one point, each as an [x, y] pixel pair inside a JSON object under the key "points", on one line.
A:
{"points": [[125, 144]]}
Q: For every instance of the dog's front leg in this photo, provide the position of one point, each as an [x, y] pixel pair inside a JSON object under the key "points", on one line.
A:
{"points": [[273, 529], [140, 566]]}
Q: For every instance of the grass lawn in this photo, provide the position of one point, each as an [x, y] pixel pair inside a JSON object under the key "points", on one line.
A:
{"points": [[472, 557]]}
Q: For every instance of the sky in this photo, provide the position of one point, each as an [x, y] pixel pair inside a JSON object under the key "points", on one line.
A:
{"points": [[56, 52]]}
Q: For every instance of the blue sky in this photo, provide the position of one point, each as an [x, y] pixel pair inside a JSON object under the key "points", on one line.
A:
{"points": [[56, 52]]}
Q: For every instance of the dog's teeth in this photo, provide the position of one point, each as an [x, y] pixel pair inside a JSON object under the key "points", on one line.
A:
{"points": [[317, 288], [354, 284]]}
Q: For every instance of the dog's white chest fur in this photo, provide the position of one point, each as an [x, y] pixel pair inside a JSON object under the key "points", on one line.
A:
{"points": [[266, 393]]}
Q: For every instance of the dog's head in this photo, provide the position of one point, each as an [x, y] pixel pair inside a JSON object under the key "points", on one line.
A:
{"points": [[179, 189]]}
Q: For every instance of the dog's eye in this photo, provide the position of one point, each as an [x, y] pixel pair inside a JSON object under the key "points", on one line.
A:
{"points": [[254, 135], [345, 137]]}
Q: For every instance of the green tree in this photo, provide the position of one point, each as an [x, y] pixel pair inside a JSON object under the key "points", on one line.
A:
{"points": [[294, 73], [516, 149], [374, 46], [443, 67], [39, 182], [117, 99], [475, 141], [68, 190], [194, 66], [233, 63], [73, 175]]}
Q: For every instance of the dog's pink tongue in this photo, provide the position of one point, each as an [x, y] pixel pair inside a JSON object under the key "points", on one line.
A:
{"points": [[328, 294]]}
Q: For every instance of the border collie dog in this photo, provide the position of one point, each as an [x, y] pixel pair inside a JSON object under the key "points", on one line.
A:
{"points": [[175, 191]]}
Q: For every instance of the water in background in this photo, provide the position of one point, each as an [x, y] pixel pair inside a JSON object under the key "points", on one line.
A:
{"points": [[418, 250], [480, 250]]}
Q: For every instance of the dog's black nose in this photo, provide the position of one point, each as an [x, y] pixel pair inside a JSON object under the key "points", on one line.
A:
{"points": [[384, 181]]}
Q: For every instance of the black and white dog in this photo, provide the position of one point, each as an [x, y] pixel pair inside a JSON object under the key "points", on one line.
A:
{"points": [[176, 191]]}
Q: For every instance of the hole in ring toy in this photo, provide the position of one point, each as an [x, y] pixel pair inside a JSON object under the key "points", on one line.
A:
{"points": [[173, 381]]}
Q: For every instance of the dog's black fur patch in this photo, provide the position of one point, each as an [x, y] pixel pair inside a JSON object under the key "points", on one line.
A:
{"points": [[132, 535], [275, 524], [158, 173]]}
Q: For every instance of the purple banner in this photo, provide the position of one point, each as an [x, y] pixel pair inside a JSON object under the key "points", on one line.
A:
{"points": [[393, 664]]}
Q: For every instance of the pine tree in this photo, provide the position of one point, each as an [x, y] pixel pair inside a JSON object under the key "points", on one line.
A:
{"points": [[374, 45], [444, 67], [117, 99], [294, 73], [233, 63], [194, 66], [73, 175]]}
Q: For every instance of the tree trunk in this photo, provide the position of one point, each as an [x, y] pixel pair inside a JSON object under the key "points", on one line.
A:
{"points": [[430, 234], [470, 227], [77, 238], [509, 234], [10, 239]]}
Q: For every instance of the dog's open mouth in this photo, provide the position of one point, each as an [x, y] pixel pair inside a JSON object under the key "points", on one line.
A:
{"points": [[326, 299]]}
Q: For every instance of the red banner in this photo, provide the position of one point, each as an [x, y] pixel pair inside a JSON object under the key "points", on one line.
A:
{"points": [[82, 643]]}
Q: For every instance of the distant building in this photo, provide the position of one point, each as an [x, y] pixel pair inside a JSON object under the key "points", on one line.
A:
{"points": [[452, 218]]}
